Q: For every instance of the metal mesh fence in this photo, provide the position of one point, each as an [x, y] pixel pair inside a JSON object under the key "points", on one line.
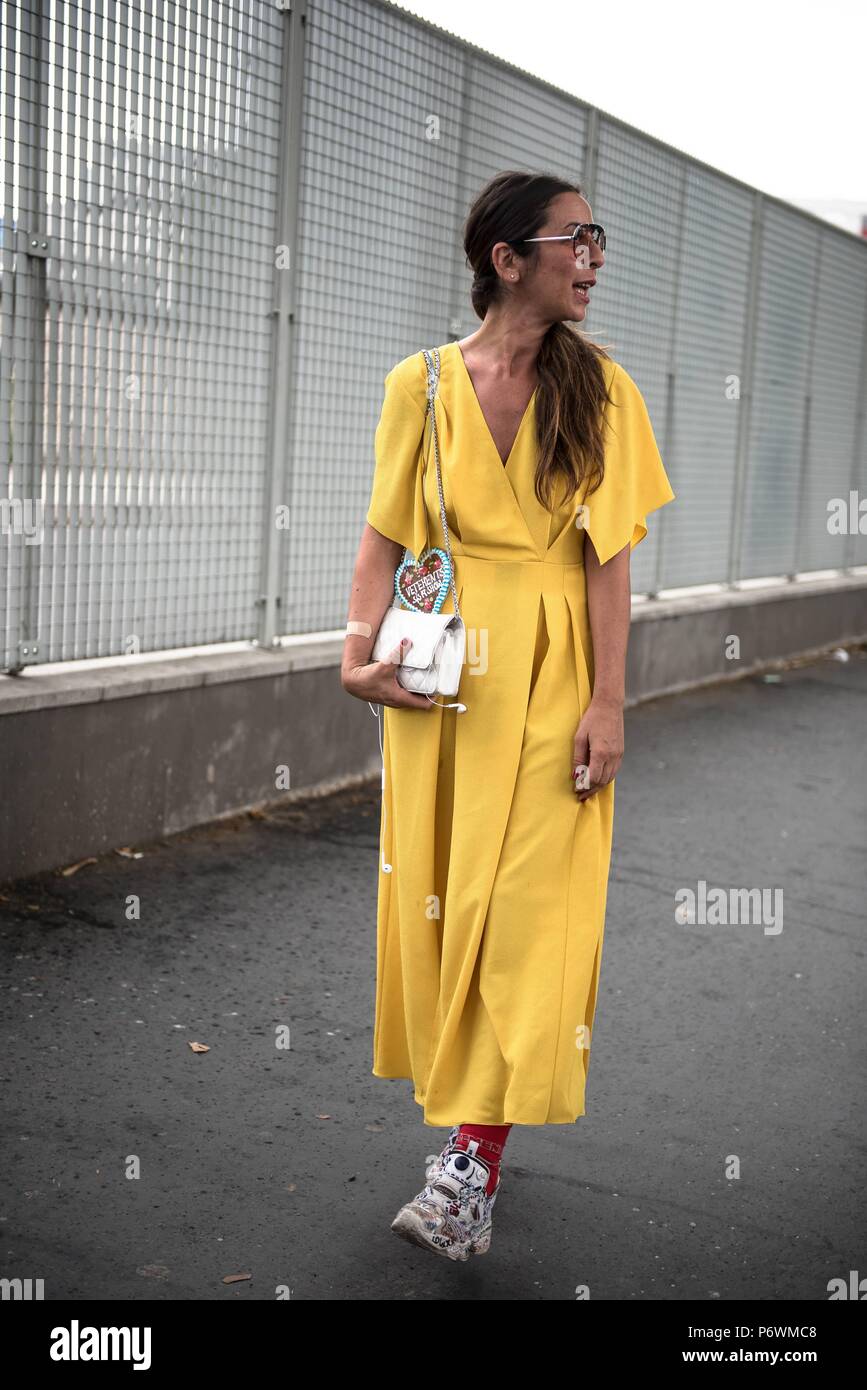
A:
{"points": [[140, 146], [223, 223]]}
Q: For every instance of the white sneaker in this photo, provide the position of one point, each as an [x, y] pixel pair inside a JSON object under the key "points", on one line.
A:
{"points": [[452, 1214], [435, 1162]]}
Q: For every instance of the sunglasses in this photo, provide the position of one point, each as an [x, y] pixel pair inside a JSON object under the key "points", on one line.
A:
{"points": [[583, 234]]}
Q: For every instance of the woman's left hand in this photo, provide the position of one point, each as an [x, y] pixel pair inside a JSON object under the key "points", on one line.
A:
{"points": [[598, 746]]}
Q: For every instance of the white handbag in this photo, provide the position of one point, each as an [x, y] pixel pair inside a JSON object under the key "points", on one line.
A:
{"points": [[434, 661]]}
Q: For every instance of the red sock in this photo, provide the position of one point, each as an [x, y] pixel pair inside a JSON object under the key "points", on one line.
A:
{"points": [[491, 1140]]}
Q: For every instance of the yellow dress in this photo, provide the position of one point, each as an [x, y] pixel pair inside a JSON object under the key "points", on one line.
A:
{"points": [[490, 923]]}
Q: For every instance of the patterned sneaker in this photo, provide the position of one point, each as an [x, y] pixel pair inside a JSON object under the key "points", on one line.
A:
{"points": [[434, 1162], [452, 1214]]}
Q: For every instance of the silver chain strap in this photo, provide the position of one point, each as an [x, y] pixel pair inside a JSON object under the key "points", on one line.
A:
{"points": [[432, 361]]}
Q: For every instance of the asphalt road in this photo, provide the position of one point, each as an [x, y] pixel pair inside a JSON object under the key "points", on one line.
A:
{"points": [[136, 1168]]}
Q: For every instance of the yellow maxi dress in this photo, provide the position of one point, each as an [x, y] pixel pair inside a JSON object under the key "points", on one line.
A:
{"points": [[490, 923]]}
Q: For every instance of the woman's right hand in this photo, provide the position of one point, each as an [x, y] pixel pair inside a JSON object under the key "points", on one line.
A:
{"points": [[376, 681]]}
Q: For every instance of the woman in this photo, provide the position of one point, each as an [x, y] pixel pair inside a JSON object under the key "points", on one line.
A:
{"points": [[497, 820]]}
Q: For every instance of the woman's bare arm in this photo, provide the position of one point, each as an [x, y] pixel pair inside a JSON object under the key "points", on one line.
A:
{"points": [[609, 602], [599, 740]]}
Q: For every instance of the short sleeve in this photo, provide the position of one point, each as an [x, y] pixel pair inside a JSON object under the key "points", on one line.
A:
{"points": [[396, 508], [635, 481]]}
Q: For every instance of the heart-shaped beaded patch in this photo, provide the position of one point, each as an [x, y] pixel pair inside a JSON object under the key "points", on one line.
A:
{"points": [[422, 584]]}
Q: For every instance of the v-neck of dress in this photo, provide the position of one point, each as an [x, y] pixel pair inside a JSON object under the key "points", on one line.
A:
{"points": [[469, 380]]}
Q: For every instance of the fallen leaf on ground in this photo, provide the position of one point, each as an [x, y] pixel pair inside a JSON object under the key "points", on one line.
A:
{"points": [[233, 1278], [199, 1047], [74, 868]]}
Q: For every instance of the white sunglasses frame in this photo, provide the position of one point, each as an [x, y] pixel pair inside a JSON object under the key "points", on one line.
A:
{"points": [[581, 227]]}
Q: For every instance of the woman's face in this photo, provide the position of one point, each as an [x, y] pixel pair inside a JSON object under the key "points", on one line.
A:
{"points": [[559, 285]]}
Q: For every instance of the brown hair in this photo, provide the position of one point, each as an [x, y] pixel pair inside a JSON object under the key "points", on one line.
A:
{"points": [[571, 393]]}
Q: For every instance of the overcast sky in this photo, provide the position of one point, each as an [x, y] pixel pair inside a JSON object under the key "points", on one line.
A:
{"points": [[771, 91]]}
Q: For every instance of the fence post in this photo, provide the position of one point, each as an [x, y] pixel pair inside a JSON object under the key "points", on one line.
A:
{"points": [[806, 426], [591, 153], [747, 391], [669, 430], [857, 446], [26, 344], [281, 386]]}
